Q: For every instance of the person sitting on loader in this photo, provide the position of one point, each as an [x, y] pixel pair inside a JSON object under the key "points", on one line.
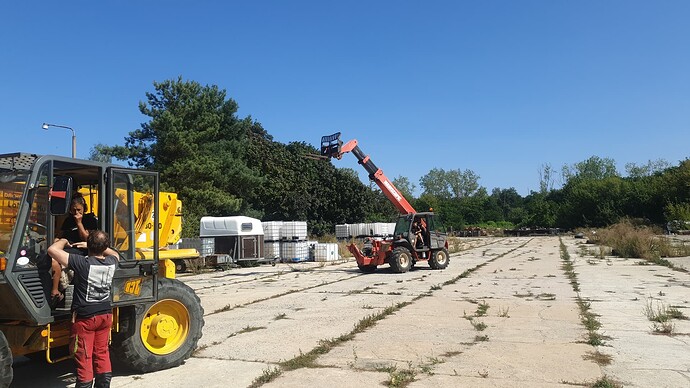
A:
{"points": [[419, 230], [75, 229]]}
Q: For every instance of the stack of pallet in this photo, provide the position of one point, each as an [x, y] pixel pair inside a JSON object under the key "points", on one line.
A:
{"points": [[272, 239], [293, 241], [286, 240], [368, 229]]}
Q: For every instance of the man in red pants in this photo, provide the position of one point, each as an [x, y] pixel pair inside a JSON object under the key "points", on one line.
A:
{"points": [[92, 315]]}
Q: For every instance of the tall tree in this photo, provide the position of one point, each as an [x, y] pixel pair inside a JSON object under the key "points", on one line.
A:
{"points": [[198, 144], [650, 168], [547, 178], [462, 183], [435, 183], [592, 168]]}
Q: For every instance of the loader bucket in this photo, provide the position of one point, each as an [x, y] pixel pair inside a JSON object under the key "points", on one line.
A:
{"points": [[330, 145]]}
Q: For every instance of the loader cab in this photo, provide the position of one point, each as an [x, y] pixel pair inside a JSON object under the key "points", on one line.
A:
{"points": [[35, 192], [422, 231]]}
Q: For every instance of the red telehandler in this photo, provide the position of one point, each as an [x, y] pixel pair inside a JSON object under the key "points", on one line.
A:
{"points": [[417, 236]]}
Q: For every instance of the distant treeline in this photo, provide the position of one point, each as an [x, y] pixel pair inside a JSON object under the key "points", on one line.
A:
{"points": [[221, 164]]}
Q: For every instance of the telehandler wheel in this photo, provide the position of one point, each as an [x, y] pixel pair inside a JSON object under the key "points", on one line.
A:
{"points": [[400, 260], [367, 268], [162, 334], [5, 362], [439, 259]]}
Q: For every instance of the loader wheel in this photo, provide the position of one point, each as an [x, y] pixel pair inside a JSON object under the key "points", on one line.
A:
{"points": [[180, 266], [439, 259], [367, 268], [162, 334], [5, 362], [400, 260]]}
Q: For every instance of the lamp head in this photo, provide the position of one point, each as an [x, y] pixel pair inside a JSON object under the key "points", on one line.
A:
{"points": [[44, 126]]}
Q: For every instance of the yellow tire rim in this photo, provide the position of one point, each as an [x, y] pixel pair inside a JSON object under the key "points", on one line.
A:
{"points": [[165, 326]]}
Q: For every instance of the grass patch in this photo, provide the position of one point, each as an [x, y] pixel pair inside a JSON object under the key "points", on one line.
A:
{"points": [[598, 357], [587, 317], [503, 312], [606, 382], [267, 376], [661, 316], [481, 309], [479, 326], [626, 239], [400, 378]]}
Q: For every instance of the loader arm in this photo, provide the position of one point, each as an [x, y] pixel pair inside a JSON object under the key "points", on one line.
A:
{"points": [[333, 147]]}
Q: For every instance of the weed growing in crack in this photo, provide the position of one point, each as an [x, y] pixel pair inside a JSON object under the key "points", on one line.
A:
{"points": [[267, 376], [606, 382], [481, 309], [481, 338], [401, 378], [503, 312], [598, 357], [479, 326], [588, 318]]}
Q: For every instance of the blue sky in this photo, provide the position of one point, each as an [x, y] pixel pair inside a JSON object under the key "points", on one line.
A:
{"points": [[497, 87]]}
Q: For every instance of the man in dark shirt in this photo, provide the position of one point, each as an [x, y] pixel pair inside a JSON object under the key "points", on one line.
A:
{"points": [[91, 311], [75, 228]]}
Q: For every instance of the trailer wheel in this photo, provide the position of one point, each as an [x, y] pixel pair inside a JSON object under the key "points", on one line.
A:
{"points": [[400, 260], [5, 362], [367, 268], [439, 259], [180, 266], [162, 334]]}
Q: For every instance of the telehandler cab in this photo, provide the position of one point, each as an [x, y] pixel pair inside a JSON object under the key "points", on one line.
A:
{"points": [[417, 236], [157, 319]]}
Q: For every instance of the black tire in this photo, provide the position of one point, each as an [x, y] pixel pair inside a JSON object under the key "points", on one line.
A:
{"points": [[5, 362], [176, 301], [180, 266], [367, 268], [439, 259], [400, 260]]}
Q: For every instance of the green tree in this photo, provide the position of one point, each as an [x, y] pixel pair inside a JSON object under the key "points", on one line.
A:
{"points": [[405, 187], [197, 143], [592, 168], [435, 183], [650, 168]]}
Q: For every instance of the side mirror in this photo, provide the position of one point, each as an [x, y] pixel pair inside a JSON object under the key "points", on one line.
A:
{"points": [[60, 195]]}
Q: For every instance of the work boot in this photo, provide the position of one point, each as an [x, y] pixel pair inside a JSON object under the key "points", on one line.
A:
{"points": [[103, 380], [85, 384]]}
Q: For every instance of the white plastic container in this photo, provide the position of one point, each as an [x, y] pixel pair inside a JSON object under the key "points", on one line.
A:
{"points": [[294, 251], [326, 252], [272, 230], [205, 246], [342, 231], [294, 230], [391, 229], [272, 250]]}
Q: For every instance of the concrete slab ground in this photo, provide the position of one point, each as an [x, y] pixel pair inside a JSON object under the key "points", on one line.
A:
{"points": [[503, 314]]}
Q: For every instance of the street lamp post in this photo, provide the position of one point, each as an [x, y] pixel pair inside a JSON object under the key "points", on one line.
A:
{"points": [[74, 136]]}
